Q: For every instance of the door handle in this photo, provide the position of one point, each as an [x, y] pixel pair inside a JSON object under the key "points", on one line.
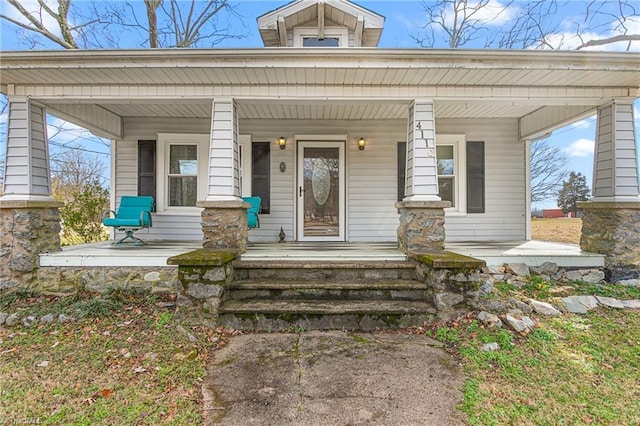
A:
{"points": [[300, 191]]}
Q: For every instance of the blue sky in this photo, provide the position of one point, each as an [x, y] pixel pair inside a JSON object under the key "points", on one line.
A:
{"points": [[403, 18]]}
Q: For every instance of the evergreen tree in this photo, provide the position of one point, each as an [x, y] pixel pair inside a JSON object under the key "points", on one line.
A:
{"points": [[573, 190]]}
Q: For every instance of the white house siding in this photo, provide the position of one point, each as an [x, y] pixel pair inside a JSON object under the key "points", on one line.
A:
{"points": [[371, 176], [505, 181], [185, 227]]}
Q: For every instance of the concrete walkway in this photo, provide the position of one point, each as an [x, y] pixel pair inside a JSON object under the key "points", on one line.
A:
{"points": [[332, 378]]}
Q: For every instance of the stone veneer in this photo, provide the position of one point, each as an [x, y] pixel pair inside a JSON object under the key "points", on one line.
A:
{"points": [[203, 275], [421, 227], [62, 280], [224, 225], [613, 229], [27, 228]]}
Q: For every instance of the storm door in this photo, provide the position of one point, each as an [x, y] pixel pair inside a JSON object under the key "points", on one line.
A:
{"points": [[320, 191]]}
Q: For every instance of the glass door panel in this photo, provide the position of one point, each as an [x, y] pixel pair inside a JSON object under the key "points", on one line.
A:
{"points": [[321, 192]]}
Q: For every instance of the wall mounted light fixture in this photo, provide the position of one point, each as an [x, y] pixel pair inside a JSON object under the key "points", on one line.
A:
{"points": [[282, 142], [361, 144]]}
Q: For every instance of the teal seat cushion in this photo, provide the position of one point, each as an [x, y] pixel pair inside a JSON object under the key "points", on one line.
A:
{"points": [[122, 222]]}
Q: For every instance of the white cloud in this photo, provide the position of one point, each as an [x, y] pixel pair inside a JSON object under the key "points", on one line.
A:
{"points": [[580, 148], [493, 13]]}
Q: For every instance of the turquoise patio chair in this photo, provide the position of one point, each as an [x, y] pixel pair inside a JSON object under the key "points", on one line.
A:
{"points": [[134, 213], [253, 221]]}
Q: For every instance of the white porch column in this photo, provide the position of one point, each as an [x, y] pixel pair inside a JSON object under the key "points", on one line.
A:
{"points": [[421, 227], [611, 221], [29, 218], [615, 174], [224, 218], [26, 176], [422, 166], [224, 152]]}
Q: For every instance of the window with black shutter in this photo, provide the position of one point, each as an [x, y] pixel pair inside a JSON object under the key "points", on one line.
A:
{"points": [[147, 168], [261, 174], [402, 168], [475, 177]]}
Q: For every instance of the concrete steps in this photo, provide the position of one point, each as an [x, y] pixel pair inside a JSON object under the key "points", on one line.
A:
{"points": [[354, 295]]}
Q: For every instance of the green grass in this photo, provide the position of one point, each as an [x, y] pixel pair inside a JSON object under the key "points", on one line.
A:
{"points": [[570, 370], [121, 362]]}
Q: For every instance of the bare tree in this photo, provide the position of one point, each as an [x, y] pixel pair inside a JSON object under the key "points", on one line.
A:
{"points": [[460, 21], [548, 169], [101, 24], [71, 169], [530, 24], [618, 20]]}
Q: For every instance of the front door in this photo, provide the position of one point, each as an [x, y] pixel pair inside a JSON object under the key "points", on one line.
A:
{"points": [[320, 194]]}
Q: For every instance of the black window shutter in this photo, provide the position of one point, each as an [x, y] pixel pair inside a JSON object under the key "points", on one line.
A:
{"points": [[147, 168], [402, 168], [475, 177], [261, 174]]}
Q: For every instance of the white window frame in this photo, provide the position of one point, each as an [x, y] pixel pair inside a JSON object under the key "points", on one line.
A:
{"points": [[244, 145], [165, 140], [459, 144], [341, 33]]}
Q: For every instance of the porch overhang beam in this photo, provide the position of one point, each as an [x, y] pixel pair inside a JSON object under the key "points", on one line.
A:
{"points": [[547, 119], [586, 96], [97, 120]]}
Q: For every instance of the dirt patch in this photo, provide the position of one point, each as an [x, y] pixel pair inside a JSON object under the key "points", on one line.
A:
{"points": [[559, 230]]}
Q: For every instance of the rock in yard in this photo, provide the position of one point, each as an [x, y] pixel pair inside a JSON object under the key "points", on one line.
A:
{"points": [[543, 308], [547, 268], [526, 309], [47, 319], [487, 287], [631, 304], [629, 283], [580, 304], [489, 319], [573, 276], [12, 320], [29, 321], [62, 318], [519, 269], [593, 277], [490, 347], [528, 322], [517, 324], [610, 302], [3, 318]]}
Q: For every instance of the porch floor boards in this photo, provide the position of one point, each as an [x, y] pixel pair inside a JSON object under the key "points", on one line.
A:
{"points": [[156, 253]]}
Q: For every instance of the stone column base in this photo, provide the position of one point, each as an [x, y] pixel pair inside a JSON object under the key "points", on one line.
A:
{"points": [[421, 227], [27, 228], [613, 229], [224, 225]]}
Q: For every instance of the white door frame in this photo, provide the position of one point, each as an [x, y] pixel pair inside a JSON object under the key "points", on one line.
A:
{"points": [[299, 196]]}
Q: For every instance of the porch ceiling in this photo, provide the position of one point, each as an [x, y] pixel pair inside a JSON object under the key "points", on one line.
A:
{"points": [[320, 110]]}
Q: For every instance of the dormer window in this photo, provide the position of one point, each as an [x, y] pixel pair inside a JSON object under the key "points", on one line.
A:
{"points": [[309, 37], [320, 42]]}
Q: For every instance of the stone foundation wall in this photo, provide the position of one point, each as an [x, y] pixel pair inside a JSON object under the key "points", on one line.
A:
{"points": [[421, 227], [100, 279], [26, 230], [224, 225], [613, 229]]}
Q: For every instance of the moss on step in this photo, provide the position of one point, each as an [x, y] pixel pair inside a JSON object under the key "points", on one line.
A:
{"points": [[203, 257], [447, 260]]}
